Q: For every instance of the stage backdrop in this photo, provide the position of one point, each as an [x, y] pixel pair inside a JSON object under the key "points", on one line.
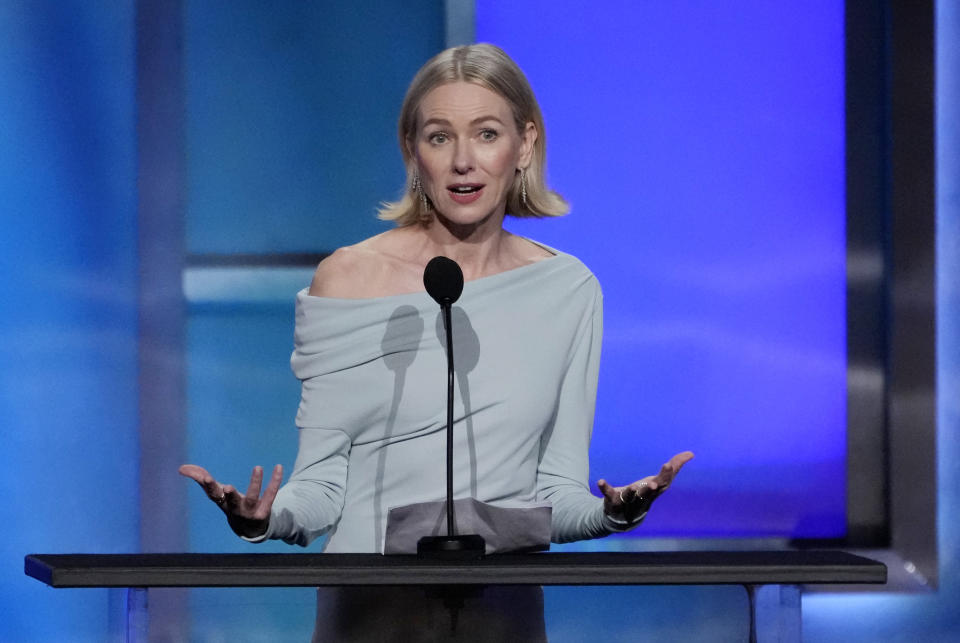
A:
{"points": [[702, 149], [68, 355], [68, 304], [703, 153]]}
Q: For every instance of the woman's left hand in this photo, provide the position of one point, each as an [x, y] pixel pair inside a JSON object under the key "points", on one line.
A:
{"points": [[631, 502]]}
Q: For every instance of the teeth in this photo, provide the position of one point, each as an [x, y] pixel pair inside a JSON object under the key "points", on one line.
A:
{"points": [[464, 189]]}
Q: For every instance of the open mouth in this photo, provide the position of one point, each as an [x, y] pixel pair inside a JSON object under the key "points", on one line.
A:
{"points": [[464, 193], [465, 189]]}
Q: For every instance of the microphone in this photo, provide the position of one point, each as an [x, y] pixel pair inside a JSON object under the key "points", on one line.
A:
{"points": [[443, 280]]}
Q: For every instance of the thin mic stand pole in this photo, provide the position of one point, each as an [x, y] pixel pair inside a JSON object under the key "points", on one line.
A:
{"points": [[448, 324], [443, 280]]}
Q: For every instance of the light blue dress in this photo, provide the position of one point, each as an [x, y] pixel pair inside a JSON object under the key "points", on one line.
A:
{"points": [[372, 414]]}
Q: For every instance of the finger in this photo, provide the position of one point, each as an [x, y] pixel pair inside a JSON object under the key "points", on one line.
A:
{"points": [[681, 459], [665, 475], [272, 487], [670, 469], [673, 466], [210, 486], [194, 472], [646, 488], [231, 500], [256, 481], [608, 492]]}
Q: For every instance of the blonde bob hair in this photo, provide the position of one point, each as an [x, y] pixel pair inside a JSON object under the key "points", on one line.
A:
{"points": [[488, 66]]}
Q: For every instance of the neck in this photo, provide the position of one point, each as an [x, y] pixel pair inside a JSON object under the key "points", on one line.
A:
{"points": [[476, 247]]}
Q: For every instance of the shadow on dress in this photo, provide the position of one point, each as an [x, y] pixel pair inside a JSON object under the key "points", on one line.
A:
{"points": [[399, 346], [466, 356]]}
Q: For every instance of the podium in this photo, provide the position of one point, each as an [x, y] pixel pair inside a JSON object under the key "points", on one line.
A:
{"points": [[772, 578]]}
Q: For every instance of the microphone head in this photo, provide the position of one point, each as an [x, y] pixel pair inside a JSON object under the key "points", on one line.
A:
{"points": [[443, 280]]}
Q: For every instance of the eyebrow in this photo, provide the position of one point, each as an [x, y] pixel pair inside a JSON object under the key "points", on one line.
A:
{"points": [[443, 121]]}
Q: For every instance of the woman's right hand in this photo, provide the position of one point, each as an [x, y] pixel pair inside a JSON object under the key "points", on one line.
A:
{"points": [[248, 515]]}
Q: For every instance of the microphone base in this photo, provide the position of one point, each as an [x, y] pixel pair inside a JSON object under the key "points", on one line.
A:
{"points": [[465, 547]]}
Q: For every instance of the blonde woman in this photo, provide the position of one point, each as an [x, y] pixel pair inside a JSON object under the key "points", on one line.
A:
{"points": [[527, 333]]}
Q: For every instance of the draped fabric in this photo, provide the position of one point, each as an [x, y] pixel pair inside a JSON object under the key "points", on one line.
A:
{"points": [[372, 414]]}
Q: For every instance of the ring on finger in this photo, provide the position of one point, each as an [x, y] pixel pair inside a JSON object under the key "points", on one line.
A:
{"points": [[636, 498]]}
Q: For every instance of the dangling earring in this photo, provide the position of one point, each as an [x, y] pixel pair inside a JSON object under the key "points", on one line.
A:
{"points": [[523, 187], [418, 188]]}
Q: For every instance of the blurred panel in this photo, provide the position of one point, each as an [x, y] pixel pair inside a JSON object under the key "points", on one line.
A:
{"points": [[68, 304], [694, 613], [291, 127], [242, 398]]}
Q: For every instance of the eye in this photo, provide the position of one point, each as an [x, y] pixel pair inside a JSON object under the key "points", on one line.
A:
{"points": [[437, 138], [488, 134]]}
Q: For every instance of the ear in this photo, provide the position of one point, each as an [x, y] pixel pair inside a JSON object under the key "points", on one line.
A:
{"points": [[527, 138], [411, 148]]}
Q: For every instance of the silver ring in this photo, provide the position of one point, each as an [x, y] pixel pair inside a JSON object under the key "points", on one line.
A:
{"points": [[636, 498], [219, 500]]}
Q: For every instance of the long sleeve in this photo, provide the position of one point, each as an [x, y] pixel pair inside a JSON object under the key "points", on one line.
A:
{"points": [[372, 413], [563, 472], [311, 501]]}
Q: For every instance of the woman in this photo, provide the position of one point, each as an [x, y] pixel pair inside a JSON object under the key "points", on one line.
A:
{"points": [[527, 333]]}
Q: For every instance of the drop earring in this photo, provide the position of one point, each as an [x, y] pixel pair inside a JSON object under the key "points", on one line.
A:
{"points": [[417, 187], [523, 187]]}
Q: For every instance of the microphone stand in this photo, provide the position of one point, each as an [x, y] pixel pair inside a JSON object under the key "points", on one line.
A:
{"points": [[451, 546], [448, 326]]}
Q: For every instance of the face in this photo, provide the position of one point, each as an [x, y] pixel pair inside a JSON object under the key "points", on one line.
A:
{"points": [[468, 150]]}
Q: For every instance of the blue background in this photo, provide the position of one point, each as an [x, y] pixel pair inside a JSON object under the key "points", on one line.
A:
{"points": [[702, 150], [68, 297], [68, 263]]}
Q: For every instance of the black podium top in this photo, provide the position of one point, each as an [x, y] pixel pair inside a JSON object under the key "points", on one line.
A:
{"points": [[298, 570]]}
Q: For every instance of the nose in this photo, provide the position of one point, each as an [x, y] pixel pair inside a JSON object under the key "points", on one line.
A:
{"points": [[463, 160]]}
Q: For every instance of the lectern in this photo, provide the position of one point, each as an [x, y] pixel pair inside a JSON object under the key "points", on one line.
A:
{"points": [[772, 578]]}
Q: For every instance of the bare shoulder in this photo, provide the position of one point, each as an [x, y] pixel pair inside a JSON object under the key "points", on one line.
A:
{"points": [[337, 274], [364, 270]]}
